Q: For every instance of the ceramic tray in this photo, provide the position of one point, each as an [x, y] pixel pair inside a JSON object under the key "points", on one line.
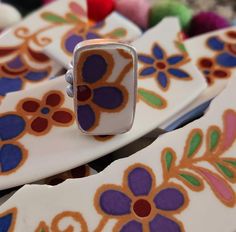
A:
{"points": [[184, 181], [44, 143]]}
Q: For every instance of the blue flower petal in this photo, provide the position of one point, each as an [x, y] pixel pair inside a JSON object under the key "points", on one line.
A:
{"points": [[11, 125], [226, 60], [178, 73], [140, 181], [158, 52], [172, 60], [9, 85], [162, 79], [147, 71], [5, 222], [10, 157], [132, 226], [215, 43], [36, 75], [146, 59]]}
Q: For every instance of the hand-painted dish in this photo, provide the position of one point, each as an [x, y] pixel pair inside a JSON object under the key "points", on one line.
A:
{"points": [[163, 187]]}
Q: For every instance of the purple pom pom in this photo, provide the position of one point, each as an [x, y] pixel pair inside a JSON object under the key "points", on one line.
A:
{"points": [[205, 22]]}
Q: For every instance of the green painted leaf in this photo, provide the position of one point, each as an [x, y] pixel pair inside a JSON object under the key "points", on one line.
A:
{"points": [[168, 160], [225, 170], [194, 144], [53, 18], [232, 162], [152, 98], [181, 47], [119, 32], [191, 179], [72, 18], [214, 139]]}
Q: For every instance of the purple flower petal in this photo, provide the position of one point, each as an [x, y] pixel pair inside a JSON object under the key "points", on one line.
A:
{"points": [[163, 224], [36, 75], [147, 71], [175, 59], [140, 181], [146, 59], [108, 97], [158, 52], [169, 199], [94, 68], [72, 41], [16, 63], [11, 126], [162, 79], [226, 60], [178, 73], [215, 43], [115, 203], [132, 226], [86, 116], [10, 157], [9, 85], [92, 35]]}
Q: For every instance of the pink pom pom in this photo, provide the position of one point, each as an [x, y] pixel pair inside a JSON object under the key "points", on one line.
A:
{"points": [[205, 22], [135, 10]]}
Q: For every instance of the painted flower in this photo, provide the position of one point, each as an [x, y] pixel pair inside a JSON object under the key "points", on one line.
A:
{"points": [[95, 94], [211, 71], [226, 51], [162, 67], [139, 206], [12, 153], [46, 113], [80, 33], [17, 70]]}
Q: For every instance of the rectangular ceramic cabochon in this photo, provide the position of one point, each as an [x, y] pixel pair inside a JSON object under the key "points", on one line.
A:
{"points": [[184, 181], [105, 75], [114, 26], [46, 140]]}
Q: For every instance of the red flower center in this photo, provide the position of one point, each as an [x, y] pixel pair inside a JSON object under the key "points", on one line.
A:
{"points": [[83, 93], [206, 63], [160, 65], [142, 208]]}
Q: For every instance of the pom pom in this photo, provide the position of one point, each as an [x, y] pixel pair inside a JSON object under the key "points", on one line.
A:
{"points": [[135, 10], [170, 8], [205, 22], [99, 9], [8, 15]]}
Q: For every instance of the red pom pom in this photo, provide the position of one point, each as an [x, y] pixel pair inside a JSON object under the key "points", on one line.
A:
{"points": [[99, 9]]}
